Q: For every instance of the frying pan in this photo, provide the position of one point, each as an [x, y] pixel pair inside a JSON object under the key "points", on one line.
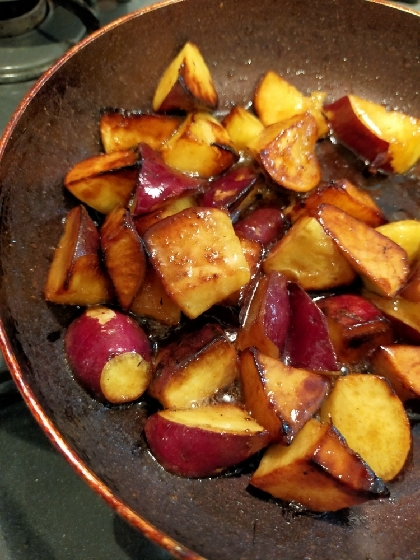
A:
{"points": [[338, 46]]}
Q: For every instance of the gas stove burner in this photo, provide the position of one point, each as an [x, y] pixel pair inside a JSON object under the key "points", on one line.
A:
{"points": [[37, 33], [20, 16]]}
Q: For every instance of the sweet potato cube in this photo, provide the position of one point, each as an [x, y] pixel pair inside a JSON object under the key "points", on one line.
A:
{"points": [[265, 225], [205, 440], [336, 458], [186, 84], [275, 100], [158, 182], [200, 146], [388, 140], [105, 181], [344, 195], [198, 257], [243, 128], [370, 416], [400, 364], [194, 368], [171, 207], [291, 473], [153, 302], [307, 255], [279, 397], [124, 255], [308, 343], [121, 130], [267, 315], [286, 151], [405, 233], [355, 325], [382, 263], [403, 314], [76, 276], [253, 251], [230, 188]]}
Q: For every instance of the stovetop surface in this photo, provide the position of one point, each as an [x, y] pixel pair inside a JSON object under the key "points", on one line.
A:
{"points": [[47, 512]]}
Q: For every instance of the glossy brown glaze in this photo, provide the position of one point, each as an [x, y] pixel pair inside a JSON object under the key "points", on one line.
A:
{"points": [[337, 46]]}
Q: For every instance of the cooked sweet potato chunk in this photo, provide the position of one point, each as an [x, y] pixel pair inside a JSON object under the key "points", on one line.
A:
{"points": [[293, 473], [344, 195], [198, 257], [121, 130], [186, 84], [76, 275], [124, 255], [370, 416], [200, 146], [281, 398], [243, 128], [286, 151], [153, 302], [382, 263], [157, 182], [276, 100], [400, 364], [105, 181], [356, 326], [307, 255], [194, 368], [203, 441], [266, 316]]}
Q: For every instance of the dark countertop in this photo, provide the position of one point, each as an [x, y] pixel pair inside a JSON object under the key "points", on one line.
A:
{"points": [[46, 511]]}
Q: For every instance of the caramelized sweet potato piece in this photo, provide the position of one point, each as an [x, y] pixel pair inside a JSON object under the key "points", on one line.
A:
{"points": [[266, 316], [265, 225], [194, 368], [200, 146], [286, 151], [121, 130], [203, 441], [229, 188], [308, 344], [388, 140], [243, 128], [306, 254], [344, 195], [198, 257], [153, 302], [400, 364], [124, 255], [109, 354], [403, 314], [405, 233], [105, 181], [276, 100], [356, 326], [281, 398], [157, 182], [298, 473], [370, 416], [142, 222], [382, 263], [76, 275], [186, 84]]}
